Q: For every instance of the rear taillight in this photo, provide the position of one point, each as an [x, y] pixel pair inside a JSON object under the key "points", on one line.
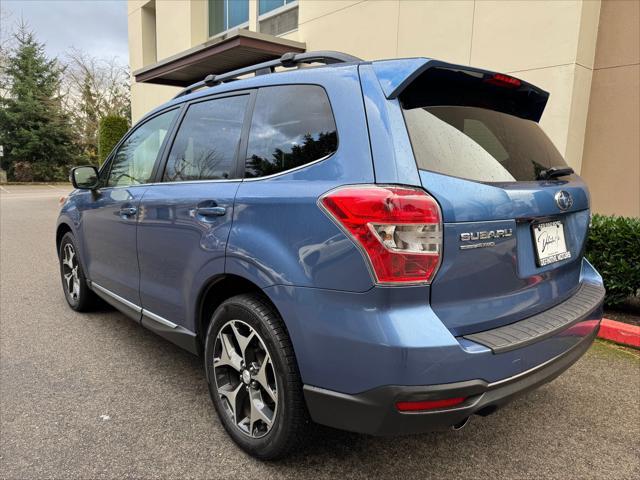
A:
{"points": [[398, 228]]}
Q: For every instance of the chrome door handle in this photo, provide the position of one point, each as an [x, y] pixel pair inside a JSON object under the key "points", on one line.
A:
{"points": [[128, 211], [211, 211]]}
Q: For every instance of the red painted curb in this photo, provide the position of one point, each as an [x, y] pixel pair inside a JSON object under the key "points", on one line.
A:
{"points": [[619, 332]]}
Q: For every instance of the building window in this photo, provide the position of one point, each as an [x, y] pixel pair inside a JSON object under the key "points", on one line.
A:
{"points": [[277, 17], [149, 43], [267, 6], [227, 14]]}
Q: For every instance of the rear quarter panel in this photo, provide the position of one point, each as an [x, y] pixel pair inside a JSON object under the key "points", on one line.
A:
{"points": [[279, 234]]}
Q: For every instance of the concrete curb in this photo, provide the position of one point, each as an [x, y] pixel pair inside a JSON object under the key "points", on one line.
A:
{"points": [[619, 332]]}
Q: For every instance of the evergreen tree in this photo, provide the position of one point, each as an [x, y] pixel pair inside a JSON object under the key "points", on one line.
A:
{"points": [[34, 129], [112, 129]]}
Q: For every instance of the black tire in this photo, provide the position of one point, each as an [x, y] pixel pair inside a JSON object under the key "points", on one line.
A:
{"points": [[82, 299], [291, 419]]}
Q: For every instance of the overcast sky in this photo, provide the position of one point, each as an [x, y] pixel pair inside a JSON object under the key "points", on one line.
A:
{"points": [[98, 27]]}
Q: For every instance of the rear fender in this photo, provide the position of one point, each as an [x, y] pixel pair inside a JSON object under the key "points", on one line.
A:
{"points": [[281, 237]]}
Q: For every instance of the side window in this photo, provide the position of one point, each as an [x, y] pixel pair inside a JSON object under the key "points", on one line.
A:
{"points": [[292, 125], [133, 162], [206, 145], [104, 171]]}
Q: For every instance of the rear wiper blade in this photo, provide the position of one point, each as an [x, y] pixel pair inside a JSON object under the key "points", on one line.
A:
{"points": [[554, 172]]}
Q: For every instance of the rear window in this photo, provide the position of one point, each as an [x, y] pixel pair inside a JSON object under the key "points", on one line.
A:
{"points": [[292, 126], [479, 144]]}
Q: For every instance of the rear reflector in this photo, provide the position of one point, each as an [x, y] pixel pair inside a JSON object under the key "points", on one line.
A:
{"points": [[429, 404], [398, 228]]}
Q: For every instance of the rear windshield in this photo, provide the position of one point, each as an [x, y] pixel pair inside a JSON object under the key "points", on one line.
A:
{"points": [[479, 144]]}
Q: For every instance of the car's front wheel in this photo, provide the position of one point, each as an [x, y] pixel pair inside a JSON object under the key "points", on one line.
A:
{"points": [[74, 283], [253, 377]]}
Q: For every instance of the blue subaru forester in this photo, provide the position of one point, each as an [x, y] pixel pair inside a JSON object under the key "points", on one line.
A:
{"points": [[385, 247]]}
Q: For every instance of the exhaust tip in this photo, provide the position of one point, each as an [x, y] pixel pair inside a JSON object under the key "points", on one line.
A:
{"points": [[461, 425]]}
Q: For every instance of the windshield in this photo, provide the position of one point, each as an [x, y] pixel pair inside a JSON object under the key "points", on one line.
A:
{"points": [[479, 144]]}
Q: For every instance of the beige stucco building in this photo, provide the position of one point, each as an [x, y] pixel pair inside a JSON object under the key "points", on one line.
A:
{"points": [[585, 53]]}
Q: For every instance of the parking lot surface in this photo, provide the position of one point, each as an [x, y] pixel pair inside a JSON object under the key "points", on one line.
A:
{"points": [[97, 396]]}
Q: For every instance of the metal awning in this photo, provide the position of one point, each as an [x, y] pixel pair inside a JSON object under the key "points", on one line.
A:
{"points": [[239, 48]]}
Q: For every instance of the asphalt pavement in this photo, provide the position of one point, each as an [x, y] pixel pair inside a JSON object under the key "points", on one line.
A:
{"points": [[97, 396]]}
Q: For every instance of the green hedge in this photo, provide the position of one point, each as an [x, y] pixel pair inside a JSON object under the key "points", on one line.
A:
{"points": [[613, 247], [112, 129]]}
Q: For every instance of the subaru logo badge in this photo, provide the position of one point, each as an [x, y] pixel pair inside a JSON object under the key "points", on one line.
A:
{"points": [[564, 200]]}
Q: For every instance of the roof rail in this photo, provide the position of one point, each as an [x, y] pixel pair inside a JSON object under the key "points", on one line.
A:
{"points": [[289, 59]]}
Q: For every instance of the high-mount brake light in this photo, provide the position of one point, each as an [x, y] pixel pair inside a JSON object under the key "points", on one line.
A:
{"points": [[398, 228], [502, 80]]}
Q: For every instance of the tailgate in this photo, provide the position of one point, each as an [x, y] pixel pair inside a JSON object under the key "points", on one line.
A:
{"points": [[490, 273], [514, 233]]}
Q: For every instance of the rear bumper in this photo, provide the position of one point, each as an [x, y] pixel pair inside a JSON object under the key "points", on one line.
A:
{"points": [[536, 328], [374, 412], [356, 342]]}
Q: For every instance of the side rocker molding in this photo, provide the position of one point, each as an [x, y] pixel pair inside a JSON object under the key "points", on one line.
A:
{"points": [[161, 326]]}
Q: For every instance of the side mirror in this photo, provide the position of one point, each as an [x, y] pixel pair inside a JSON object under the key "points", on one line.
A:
{"points": [[84, 178]]}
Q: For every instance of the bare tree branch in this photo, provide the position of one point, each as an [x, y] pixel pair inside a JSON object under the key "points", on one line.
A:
{"points": [[94, 88]]}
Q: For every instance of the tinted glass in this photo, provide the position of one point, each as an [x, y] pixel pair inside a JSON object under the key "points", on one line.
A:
{"points": [[226, 14], [133, 162], [479, 144], [267, 5], [206, 145], [237, 12], [291, 126]]}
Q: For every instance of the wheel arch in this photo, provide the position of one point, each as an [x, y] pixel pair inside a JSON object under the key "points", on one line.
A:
{"points": [[62, 229], [215, 291]]}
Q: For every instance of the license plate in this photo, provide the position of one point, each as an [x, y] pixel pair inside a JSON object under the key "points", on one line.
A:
{"points": [[550, 243]]}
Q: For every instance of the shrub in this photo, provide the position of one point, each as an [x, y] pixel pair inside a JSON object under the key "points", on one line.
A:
{"points": [[112, 129], [22, 172], [613, 247], [38, 172]]}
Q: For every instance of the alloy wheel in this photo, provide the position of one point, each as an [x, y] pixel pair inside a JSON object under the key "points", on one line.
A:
{"points": [[245, 378], [70, 272]]}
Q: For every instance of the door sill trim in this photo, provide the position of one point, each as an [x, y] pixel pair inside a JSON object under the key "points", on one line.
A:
{"points": [[117, 297], [161, 326], [134, 307], [158, 318]]}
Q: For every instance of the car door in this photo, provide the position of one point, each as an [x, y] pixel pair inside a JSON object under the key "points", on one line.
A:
{"points": [[185, 219], [109, 214]]}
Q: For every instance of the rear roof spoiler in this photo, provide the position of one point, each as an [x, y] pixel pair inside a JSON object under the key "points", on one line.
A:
{"points": [[422, 82]]}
